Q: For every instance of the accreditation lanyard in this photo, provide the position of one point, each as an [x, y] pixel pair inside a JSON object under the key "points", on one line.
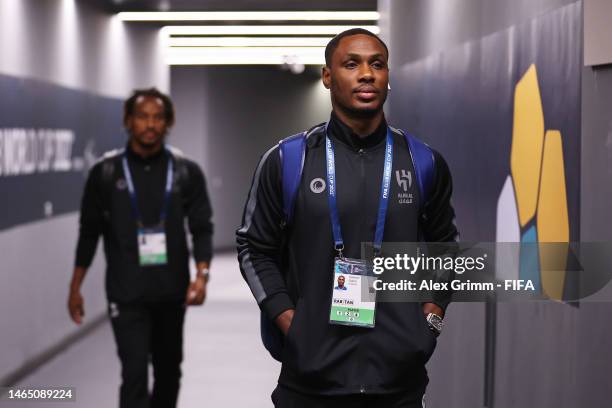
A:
{"points": [[132, 191], [384, 195]]}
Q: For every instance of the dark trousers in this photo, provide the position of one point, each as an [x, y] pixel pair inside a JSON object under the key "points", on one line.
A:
{"points": [[285, 398], [149, 332]]}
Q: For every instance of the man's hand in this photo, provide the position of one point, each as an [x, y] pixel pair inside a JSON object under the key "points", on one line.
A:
{"points": [[196, 292], [432, 308], [75, 306], [283, 321], [75, 300]]}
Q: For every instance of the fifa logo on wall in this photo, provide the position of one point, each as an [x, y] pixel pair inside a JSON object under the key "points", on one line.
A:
{"points": [[532, 207]]}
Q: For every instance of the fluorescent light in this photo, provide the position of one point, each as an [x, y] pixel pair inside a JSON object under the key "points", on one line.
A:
{"points": [[246, 56], [240, 60], [248, 50], [248, 41], [261, 30], [250, 16]]}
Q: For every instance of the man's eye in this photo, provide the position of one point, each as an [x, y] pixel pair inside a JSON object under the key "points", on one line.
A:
{"points": [[350, 64], [378, 65]]}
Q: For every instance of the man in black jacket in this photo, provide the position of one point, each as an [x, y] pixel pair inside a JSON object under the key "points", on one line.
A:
{"points": [[137, 198], [290, 270]]}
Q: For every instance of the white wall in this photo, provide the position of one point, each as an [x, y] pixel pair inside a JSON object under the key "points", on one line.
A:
{"points": [[70, 43], [74, 45]]}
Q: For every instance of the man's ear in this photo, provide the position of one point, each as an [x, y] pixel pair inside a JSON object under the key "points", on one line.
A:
{"points": [[326, 76]]}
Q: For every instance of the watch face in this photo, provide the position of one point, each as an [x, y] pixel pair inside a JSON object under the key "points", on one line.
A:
{"points": [[435, 321]]}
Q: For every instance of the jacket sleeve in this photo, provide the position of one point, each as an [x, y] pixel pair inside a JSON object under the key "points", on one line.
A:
{"points": [[439, 224], [91, 222], [199, 214], [260, 235]]}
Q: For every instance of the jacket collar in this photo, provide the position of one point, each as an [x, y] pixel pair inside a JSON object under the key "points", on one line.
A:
{"points": [[344, 134]]}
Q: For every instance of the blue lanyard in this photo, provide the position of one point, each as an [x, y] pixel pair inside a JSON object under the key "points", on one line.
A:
{"points": [[385, 190], [132, 191]]}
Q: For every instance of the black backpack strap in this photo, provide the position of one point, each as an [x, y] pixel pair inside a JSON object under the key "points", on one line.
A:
{"points": [[181, 168], [109, 166]]}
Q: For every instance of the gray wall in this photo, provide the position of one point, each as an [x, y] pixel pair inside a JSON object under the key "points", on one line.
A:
{"points": [[597, 152], [73, 45], [227, 117], [420, 28], [416, 29], [594, 367], [547, 355], [597, 32]]}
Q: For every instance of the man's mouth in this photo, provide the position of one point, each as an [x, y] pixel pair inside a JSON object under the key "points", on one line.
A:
{"points": [[150, 135], [366, 92]]}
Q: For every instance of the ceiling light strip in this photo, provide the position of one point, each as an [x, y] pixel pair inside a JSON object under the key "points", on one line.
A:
{"points": [[247, 51], [261, 30], [246, 56], [240, 60], [249, 16], [248, 41]]}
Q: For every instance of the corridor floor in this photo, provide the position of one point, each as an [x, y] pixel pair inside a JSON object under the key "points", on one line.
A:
{"points": [[225, 364]]}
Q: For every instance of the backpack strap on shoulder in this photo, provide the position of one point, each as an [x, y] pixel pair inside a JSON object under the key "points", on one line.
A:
{"points": [[292, 154], [108, 166], [107, 161], [424, 166], [180, 164]]}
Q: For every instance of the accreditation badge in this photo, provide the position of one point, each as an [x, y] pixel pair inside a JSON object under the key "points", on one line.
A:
{"points": [[353, 296], [152, 246]]}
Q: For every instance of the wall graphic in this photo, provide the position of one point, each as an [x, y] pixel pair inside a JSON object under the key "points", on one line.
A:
{"points": [[49, 138], [532, 206], [505, 113]]}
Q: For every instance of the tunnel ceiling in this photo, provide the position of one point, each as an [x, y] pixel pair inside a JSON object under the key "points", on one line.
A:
{"points": [[235, 5]]}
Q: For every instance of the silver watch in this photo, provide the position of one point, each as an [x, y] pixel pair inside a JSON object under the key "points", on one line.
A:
{"points": [[435, 323]]}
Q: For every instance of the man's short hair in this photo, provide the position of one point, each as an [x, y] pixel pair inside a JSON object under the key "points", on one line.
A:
{"points": [[128, 106], [333, 43]]}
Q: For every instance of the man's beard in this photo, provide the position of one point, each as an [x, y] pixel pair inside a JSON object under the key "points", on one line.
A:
{"points": [[366, 113], [149, 145]]}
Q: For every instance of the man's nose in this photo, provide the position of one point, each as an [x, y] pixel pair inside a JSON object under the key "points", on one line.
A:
{"points": [[366, 73]]}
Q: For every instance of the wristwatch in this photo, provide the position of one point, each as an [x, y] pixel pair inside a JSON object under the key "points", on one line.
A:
{"points": [[206, 274], [435, 323]]}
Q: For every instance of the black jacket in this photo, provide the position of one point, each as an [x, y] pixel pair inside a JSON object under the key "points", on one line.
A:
{"points": [[106, 210], [293, 268]]}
